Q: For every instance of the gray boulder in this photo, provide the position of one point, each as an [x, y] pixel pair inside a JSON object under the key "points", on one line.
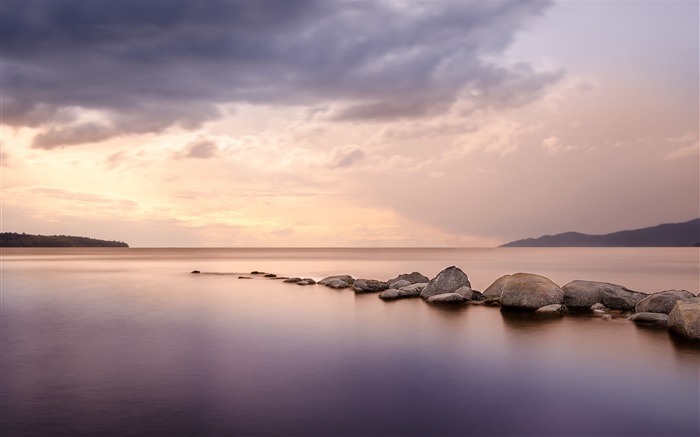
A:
{"points": [[662, 302], [345, 278], [684, 318], [369, 286], [292, 280], [617, 297], [552, 309], [649, 319], [399, 284], [494, 290], [447, 298], [447, 281], [468, 293], [402, 293], [583, 294], [306, 281], [530, 291], [337, 284], [412, 278]]}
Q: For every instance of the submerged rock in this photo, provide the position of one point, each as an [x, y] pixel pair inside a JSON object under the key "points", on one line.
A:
{"points": [[195, 271], [398, 284], [447, 281], [447, 298], [412, 278], [369, 286], [617, 297], [244, 277], [408, 291], [530, 291], [270, 275], [662, 302], [684, 319], [306, 281], [552, 309], [650, 318], [292, 280], [345, 278], [337, 284]]}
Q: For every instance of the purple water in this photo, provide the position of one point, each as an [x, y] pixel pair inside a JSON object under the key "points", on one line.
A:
{"points": [[125, 342]]}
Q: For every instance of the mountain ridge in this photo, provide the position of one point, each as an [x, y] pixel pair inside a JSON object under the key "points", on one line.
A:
{"points": [[683, 234]]}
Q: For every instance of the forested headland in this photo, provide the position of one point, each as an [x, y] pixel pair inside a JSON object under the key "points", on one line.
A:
{"points": [[13, 239]]}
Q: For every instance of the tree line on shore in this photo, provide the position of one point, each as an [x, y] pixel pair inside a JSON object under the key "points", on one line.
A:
{"points": [[14, 239]]}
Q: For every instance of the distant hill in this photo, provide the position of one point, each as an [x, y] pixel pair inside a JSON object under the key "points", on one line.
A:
{"points": [[12, 239], [666, 235]]}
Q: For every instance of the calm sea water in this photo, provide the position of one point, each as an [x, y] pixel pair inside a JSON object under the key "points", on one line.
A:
{"points": [[125, 342]]}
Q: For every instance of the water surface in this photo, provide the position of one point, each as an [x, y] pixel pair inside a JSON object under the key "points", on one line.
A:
{"points": [[126, 342]]}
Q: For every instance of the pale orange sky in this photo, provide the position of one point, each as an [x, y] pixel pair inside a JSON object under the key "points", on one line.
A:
{"points": [[348, 124]]}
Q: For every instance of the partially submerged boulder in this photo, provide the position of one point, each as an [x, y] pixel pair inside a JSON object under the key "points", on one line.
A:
{"points": [[412, 278], [369, 286], [684, 319], [493, 292], [617, 297], [530, 291], [337, 284], [445, 298], [657, 319], [398, 284], [306, 281], [662, 302], [583, 294], [552, 309], [447, 281], [345, 278]]}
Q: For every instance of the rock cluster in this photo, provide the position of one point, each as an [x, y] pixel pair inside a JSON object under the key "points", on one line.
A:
{"points": [[678, 310]]}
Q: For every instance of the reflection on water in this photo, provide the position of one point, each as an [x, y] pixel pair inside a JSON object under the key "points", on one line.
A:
{"points": [[110, 343]]}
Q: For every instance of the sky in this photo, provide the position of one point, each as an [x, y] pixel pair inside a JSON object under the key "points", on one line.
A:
{"points": [[333, 123]]}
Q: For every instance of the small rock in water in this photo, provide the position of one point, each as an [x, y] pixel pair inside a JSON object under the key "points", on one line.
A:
{"points": [[292, 280], [255, 272], [244, 277], [345, 278], [684, 318], [650, 318], [607, 317], [306, 281], [552, 309], [599, 307], [448, 280], [398, 284], [369, 286], [446, 298], [270, 275], [337, 284], [195, 271]]}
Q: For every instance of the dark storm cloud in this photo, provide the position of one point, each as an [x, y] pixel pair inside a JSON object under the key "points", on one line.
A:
{"points": [[149, 65]]}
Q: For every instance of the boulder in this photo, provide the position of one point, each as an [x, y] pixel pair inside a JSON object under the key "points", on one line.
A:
{"points": [[583, 294], [306, 281], [494, 290], [649, 319], [292, 280], [617, 297], [369, 285], [403, 293], [195, 271], [398, 284], [447, 281], [684, 318], [530, 291], [468, 293], [446, 298], [412, 278], [662, 302], [552, 309], [270, 275], [345, 278], [337, 284]]}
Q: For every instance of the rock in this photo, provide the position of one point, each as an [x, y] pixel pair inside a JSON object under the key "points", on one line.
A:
{"points": [[447, 281], [446, 298], [255, 272], [599, 307], [494, 290], [369, 285], [270, 275], [650, 318], [599, 311], [530, 291], [345, 278], [403, 293], [617, 297], [398, 284], [306, 281], [412, 278], [414, 287], [583, 294], [552, 309], [662, 302], [292, 280], [337, 284], [195, 271], [467, 293], [684, 318], [607, 317], [244, 277]]}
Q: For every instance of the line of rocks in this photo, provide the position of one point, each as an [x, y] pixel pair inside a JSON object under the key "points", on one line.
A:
{"points": [[676, 310]]}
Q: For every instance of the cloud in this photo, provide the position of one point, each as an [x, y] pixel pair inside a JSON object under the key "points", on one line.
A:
{"points": [[553, 145], [347, 156], [202, 149], [146, 66]]}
